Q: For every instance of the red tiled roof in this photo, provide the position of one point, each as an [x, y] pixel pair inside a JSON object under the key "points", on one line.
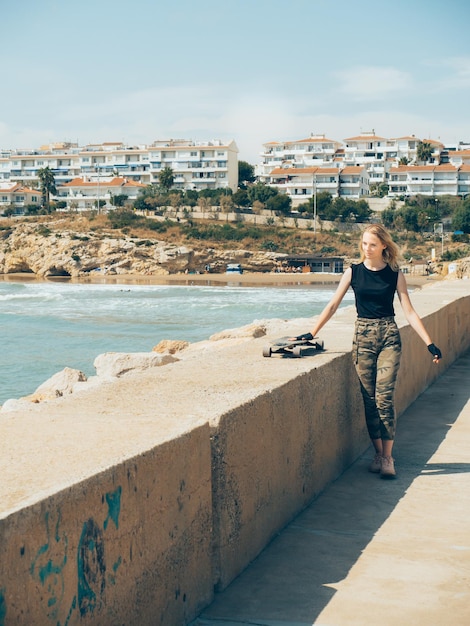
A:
{"points": [[408, 138], [297, 171], [314, 140], [292, 171], [115, 182], [445, 167], [433, 142], [16, 187], [352, 169], [366, 138]]}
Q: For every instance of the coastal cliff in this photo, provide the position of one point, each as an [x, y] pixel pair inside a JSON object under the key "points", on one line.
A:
{"points": [[51, 250]]}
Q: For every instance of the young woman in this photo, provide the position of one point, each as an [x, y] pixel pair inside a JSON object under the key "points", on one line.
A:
{"points": [[377, 345]]}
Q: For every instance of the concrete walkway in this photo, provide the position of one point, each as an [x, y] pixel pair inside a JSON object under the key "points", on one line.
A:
{"points": [[371, 551]]}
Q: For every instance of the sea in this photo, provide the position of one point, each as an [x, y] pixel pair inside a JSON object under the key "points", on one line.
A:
{"points": [[49, 325]]}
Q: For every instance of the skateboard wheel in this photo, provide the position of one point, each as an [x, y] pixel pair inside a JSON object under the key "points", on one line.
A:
{"points": [[267, 351], [320, 344], [297, 351]]}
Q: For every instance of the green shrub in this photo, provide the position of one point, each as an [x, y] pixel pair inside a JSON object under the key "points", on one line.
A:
{"points": [[43, 231]]}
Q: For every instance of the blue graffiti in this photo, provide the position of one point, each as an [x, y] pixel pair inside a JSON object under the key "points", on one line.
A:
{"points": [[3, 607], [47, 567], [91, 568], [113, 500]]}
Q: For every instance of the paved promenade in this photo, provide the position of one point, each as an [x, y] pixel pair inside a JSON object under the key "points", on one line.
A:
{"points": [[371, 551]]}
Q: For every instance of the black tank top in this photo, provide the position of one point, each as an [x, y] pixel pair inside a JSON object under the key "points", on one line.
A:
{"points": [[374, 291]]}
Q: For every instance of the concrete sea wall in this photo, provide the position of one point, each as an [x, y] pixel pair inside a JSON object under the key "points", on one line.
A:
{"points": [[135, 501]]}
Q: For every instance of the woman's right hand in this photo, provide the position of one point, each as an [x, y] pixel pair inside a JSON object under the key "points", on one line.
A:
{"points": [[304, 337]]}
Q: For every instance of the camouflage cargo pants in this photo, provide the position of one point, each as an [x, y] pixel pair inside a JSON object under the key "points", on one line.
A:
{"points": [[376, 354]]}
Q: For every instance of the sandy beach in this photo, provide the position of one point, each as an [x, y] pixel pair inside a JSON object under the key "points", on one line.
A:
{"points": [[267, 279]]}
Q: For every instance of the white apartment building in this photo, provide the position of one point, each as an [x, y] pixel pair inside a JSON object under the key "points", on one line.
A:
{"points": [[211, 165], [315, 151], [459, 157], [431, 180], [85, 194], [301, 184], [17, 196], [196, 165], [378, 155]]}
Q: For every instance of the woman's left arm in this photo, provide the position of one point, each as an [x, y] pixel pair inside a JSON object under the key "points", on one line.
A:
{"points": [[413, 318]]}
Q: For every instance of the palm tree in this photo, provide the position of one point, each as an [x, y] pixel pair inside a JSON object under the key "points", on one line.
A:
{"points": [[166, 178], [47, 185], [424, 151]]}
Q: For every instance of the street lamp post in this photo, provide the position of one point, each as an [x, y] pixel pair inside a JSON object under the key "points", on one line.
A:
{"points": [[314, 191], [97, 168]]}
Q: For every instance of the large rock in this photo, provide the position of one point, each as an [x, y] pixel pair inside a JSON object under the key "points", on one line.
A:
{"points": [[116, 364], [170, 345], [14, 404], [60, 384], [251, 331]]}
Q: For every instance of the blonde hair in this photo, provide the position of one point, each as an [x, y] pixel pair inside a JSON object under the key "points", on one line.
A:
{"points": [[391, 252]]}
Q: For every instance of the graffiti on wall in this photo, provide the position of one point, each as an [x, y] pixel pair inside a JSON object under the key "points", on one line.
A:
{"points": [[3, 607], [51, 560], [48, 565]]}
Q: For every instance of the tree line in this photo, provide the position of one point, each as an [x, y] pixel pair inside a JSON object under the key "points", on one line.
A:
{"points": [[419, 213]]}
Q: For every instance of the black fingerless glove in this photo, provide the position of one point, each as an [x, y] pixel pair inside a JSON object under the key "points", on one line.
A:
{"points": [[305, 337], [434, 350]]}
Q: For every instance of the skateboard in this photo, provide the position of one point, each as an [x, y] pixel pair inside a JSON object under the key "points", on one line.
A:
{"points": [[296, 348]]}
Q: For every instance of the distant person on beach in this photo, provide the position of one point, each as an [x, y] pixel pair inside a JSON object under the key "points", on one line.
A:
{"points": [[377, 344]]}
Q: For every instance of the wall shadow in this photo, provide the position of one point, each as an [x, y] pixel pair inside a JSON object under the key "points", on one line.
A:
{"points": [[294, 578]]}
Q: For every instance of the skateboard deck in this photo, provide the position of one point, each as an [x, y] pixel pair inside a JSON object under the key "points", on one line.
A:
{"points": [[296, 348]]}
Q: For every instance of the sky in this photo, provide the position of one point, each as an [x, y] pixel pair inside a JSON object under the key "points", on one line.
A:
{"points": [[251, 71]]}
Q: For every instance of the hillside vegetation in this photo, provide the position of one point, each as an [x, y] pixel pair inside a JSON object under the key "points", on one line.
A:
{"points": [[219, 235]]}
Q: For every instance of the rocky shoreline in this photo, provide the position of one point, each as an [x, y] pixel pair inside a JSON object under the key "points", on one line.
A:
{"points": [[31, 248], [51, 251]]}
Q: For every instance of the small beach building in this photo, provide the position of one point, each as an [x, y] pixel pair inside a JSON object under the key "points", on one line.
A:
{"points": [[318, 264]]}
